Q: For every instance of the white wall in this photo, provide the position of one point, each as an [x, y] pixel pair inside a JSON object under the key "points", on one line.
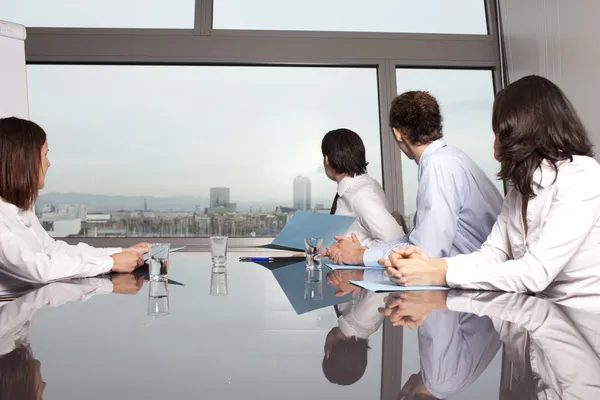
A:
{"points": [[558, 39]]}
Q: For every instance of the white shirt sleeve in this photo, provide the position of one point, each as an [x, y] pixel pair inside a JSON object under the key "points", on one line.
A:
{"points": [[573, 212], [375, 218], [19, 260]]}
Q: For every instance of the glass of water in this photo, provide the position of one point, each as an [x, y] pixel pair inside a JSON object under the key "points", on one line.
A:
{"points": [[158, 261], [158, 298], [218, 281], [218, 250], [313, 284], [313, 248]]}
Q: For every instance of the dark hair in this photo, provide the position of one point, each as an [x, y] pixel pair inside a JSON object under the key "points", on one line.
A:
{"points": [[21, 143], [345, 151], [347, 361], [534, 121], [18, 374], [417, 114]]}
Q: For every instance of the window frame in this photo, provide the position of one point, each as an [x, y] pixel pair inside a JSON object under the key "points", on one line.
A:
{"points": [[204, 45]]}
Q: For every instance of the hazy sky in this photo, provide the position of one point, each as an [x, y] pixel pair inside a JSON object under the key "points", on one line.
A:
{"points": [[179, 130]]}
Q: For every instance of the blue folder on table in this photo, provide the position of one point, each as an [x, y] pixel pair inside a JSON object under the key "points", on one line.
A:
{"points": [[305, 224]]}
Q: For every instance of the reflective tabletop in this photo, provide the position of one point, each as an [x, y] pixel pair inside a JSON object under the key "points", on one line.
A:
{"points": [[260, 332]]}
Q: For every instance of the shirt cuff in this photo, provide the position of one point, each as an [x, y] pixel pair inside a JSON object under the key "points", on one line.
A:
{"points": [[105, 264], [371, 256], [453, 272]]}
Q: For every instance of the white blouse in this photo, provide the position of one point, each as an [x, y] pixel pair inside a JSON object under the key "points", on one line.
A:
{"points": [[560, 255], [29, 254]]}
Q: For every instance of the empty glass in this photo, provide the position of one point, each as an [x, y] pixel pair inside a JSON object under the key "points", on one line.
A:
{"points": [[158, 298], [218, 250], [158, 261], [313, 248], [218, 281]]}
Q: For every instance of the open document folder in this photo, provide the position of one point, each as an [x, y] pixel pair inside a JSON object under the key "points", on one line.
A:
{"points": [[306, 224], [389, 286]]}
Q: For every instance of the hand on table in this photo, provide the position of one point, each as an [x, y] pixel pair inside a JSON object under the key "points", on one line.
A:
{"points": [[411, 266], [141, 248], [127, 261], [346, 251]]}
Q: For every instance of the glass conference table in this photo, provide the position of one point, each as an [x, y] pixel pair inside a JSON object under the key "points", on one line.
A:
{"points": [[264, 340]]}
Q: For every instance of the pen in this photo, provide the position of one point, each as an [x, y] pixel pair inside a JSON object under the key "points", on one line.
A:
{"points": [[269, 259], [257, 259]]}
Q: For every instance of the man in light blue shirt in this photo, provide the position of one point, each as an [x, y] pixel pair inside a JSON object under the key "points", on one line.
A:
{"points": [[457, 204]]}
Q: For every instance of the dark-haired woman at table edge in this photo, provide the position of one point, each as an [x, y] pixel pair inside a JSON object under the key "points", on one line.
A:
{"points": [[27, 252]]}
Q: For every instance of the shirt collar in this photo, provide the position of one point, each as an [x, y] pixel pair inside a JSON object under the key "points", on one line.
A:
{"points": [[544, 175], [347, 182], [429, 150]]}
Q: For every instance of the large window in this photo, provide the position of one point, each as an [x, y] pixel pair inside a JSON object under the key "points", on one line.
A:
{"points": [[100, 14], [466, 98], [193, 150], [423, 16]]}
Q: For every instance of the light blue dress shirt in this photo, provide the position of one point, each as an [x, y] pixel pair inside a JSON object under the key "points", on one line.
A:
{"points": [[457, 206]]}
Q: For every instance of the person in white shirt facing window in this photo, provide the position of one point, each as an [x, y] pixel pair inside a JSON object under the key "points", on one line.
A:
{"points": [[358, 194], [27, 252], [547, 237]]}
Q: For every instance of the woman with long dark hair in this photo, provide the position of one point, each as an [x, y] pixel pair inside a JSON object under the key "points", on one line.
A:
{"points": [[547, 237], [27, 252]]}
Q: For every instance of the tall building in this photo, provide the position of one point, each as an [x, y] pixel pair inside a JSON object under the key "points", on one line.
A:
{"points": [[302, 196], [219, 202], [219, 197]]}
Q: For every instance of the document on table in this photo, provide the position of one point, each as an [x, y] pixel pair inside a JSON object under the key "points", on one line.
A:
{"points": [[173, 250], [306, 224], [335, 267], [389, 286]]}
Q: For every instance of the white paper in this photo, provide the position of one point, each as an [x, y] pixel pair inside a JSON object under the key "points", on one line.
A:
{"points": [[389, 286], [335, 267]]}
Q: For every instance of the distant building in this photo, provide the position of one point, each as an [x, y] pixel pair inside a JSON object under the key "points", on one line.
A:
{"points": [[302, 194], [219, 202], [65, 212]]}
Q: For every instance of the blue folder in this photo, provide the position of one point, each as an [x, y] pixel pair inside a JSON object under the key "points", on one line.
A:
{"points": [[291, 280], [306, 224]]}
